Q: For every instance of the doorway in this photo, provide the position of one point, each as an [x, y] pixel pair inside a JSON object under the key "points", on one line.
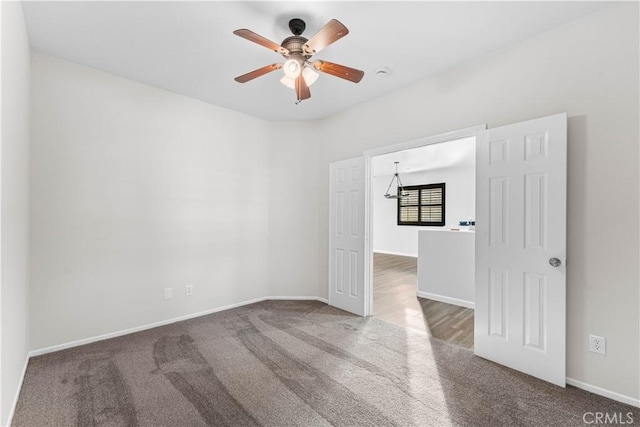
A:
{"points": [[438, 180], [520, 243]]}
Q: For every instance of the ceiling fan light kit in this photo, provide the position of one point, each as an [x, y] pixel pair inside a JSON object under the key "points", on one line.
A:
{"points": [[299, 71], [308, 75]]}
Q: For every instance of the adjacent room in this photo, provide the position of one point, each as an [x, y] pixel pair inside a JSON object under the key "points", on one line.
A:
{"points": [[319, 213], [417, 281]]}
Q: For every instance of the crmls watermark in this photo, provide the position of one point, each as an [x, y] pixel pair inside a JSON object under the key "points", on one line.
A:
{"points": [[610, 418]]}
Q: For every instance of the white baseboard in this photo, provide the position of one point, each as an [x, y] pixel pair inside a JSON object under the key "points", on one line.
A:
{"points": [[15, 399], [604, 392], [395, 253], [324, 300], [448, 300], [89, 340]]}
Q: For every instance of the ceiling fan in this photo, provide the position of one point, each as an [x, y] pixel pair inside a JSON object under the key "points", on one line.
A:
{"points": [[299, 71]]}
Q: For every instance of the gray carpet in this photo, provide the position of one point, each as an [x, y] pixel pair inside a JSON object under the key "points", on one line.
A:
{"points": [[285, 363]]}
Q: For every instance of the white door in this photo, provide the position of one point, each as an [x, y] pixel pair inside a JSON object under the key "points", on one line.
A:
{"points": [[346, 231], [521, 247]]}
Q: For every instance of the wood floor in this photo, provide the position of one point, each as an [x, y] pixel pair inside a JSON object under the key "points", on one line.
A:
{"points": [[395, 281]]}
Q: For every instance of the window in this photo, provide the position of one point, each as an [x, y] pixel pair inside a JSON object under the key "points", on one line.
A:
{"points": [[424, 205]]}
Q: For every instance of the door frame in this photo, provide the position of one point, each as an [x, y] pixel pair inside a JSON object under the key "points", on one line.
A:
{"points": [[473, 131]]}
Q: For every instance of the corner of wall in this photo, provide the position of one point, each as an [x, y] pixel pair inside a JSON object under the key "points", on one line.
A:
{"points": [[15, 82]]}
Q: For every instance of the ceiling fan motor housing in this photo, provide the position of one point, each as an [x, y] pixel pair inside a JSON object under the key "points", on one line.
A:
{"points": [[294, 44], [297, 26]]}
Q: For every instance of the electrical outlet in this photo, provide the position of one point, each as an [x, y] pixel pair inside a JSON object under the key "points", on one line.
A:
{"points": [[188, 290], [597, 344], [168, 293]]}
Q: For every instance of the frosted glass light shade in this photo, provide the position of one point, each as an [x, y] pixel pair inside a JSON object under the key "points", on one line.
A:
{"points": [[292, 68], [288, 82], [308, 74]]}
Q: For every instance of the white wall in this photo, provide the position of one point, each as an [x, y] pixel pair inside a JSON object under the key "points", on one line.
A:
{"points": [[135, 189], [14, 190], [389, 237], [293, 214], [588, 68]]}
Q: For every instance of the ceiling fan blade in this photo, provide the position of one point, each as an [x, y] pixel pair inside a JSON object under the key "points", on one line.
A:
{"points": [[257, 73], [257, 38], [302, 90], [330, 33], [338, 70]]}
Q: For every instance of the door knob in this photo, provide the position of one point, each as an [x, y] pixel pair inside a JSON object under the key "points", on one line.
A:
{"points": [[554, 262]]}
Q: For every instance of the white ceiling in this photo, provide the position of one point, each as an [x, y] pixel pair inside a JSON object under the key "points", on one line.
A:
{"points": [[450, 154], [189, 48]]}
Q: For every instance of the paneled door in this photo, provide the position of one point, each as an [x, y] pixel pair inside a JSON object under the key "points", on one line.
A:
{"points": [[520, 309], [346, 238]]}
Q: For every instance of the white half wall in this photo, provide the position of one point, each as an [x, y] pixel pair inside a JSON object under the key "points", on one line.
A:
{"points": [[391, 238], [133, 190], [14, 191], [446, 266], [589, 69]]}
